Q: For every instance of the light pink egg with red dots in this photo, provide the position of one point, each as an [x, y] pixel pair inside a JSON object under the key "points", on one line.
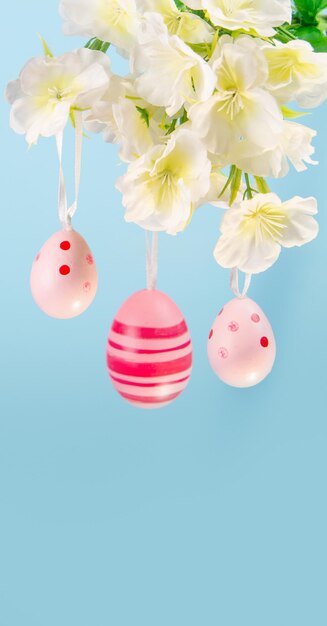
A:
{"points": [[149, 350], [241, 344], [64, 278]]}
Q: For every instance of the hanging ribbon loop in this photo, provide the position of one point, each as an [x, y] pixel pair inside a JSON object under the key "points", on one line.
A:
{"points": [[66, 213], [234, 283], [151, 260]]}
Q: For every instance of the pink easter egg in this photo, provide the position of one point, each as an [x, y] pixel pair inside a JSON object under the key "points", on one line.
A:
{"points": [[241, 345], [149, 350], [64, 278]]}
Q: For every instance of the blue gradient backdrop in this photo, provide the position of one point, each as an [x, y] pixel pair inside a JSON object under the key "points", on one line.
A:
{"points": [[209, 512]]}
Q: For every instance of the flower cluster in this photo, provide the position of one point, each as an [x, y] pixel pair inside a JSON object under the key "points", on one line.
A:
{"points": [[204, 114]]}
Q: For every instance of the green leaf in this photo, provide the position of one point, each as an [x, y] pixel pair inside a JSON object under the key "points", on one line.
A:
{"points": [[46, 49], [144, 115], [202, 49], [184, 117], [309, 9], [314, 36], [293, 115]]}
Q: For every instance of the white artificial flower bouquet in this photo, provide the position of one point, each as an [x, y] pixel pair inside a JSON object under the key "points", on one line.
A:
{"points": [[209, 88], [206, 114]]}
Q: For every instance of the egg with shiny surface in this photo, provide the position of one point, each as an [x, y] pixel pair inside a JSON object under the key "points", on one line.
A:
{"points": [[64, 278], [149, 350], [241, 345]]}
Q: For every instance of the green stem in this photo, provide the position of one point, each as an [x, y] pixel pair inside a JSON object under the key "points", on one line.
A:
{"points": [[172, 126], [229, 180], [262, 184], [285, 32], [89, 43], [235, 186], [248, 186], [105, 47], [97, 44]]}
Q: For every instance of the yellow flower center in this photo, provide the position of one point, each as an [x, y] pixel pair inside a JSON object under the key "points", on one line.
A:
{"points": [[287, 62], [265, 222], [57, 93], [57, 89], [232, 103], [113, 14]]}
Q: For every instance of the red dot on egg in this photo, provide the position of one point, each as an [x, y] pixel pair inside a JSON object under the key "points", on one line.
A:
{"points": [[89, 259], [264, 342], [210, 334], [255, 318], [220, 312], [65, 245], [64, 270], [37, 257], [233, 327]]}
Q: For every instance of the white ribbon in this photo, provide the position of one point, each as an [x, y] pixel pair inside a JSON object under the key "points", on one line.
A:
{"points": [[66, 213], [151, 260], [234, 283]]}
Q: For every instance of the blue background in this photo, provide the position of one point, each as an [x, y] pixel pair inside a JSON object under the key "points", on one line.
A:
{"points": [[211, 511]]}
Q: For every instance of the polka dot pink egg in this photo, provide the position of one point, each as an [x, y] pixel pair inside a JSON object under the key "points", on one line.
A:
{"points": [[64, 277], [149, 350], [241, 345]]}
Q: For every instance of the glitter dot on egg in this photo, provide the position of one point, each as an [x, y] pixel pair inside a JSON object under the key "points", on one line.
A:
{"points": [[65, 245], [87, 286], [233, 327], [264, 342], [223, 353], [89, 259], [64, 270], [255, 318], [210, 334]]}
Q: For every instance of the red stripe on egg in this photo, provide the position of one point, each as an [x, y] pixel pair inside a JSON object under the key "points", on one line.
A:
{"points": [[138, 384], [161, 380], [144, 332], [143, 351], [121, 366]]}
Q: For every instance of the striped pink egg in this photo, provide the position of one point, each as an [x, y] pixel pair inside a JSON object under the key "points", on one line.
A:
{"points": [[149, 350]]}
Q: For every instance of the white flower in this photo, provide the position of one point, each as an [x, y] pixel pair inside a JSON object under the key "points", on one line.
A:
{"points": [[100, 118], [189, 27], [175, 74], [254, 232], [126, 119], [294, 146], [160, 190], [115, 21], [138, 128], [240, 108], [48, 88], [296, 72], [257, 15]]}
